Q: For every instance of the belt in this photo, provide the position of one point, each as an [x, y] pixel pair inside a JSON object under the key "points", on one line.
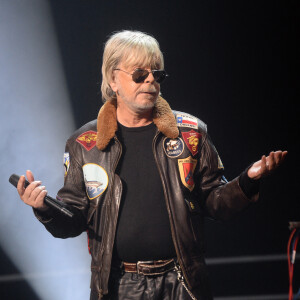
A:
{"points": [[157, 267]]}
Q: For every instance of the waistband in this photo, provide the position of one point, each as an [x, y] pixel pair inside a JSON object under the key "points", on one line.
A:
{"points": [[156, 267]]}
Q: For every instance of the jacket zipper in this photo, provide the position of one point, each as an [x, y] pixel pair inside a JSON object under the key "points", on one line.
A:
{"points": [[168, 209], [100, 295]]}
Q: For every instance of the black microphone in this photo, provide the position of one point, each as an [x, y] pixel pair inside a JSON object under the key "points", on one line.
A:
{"points": [[58, 205]]}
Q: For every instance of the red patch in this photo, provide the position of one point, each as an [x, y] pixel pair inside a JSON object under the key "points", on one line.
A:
{"points": [[188, 173], [191, 139], [186, 169], [87, 139]]}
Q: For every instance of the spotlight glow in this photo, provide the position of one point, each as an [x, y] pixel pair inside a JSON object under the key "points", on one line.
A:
{"points": [[36, 120]]}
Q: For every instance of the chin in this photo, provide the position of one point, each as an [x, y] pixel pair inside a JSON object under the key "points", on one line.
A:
{"points": [[145, 106]]}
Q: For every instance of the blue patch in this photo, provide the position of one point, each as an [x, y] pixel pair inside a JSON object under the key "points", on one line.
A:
{"points": [[173, 147], [93, 189]]}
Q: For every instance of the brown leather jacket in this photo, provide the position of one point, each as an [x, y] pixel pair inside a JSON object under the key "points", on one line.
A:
{"points": [[192, 177]]}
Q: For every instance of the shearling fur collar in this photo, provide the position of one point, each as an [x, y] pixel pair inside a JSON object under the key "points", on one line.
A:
{"points": [[107, 125]]}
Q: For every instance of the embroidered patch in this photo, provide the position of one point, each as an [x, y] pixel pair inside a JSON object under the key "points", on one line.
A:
{"points": [[173, 147], [220, 164], [66, 162], [87, 140], [186, 169], [191, 139], [95, 179], [186, 121]]}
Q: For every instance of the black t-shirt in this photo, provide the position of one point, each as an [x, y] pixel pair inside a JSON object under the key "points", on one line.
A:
{"points": [[143, 230]]}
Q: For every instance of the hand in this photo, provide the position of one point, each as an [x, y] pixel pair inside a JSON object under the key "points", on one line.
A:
{"points": [[34, 194], [267, 164]]}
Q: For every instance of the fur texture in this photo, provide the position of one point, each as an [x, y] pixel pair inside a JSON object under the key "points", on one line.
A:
{"points": [[107, 126]]}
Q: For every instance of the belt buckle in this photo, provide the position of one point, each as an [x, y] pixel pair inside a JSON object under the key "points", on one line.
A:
{"points": [[149, 269], [138, 264]]}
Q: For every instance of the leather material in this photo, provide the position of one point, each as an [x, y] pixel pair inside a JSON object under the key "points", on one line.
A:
{"points": [[211, 196], [130, 286], [149, 268]]}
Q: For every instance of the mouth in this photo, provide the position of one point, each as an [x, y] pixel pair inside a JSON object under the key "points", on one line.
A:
{"points": [[149, 93]]}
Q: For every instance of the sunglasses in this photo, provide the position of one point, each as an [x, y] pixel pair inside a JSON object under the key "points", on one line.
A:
{"points": [[139, 75]]}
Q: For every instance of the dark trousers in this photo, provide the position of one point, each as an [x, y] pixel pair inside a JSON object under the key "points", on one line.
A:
{"points": [[132, 286]]}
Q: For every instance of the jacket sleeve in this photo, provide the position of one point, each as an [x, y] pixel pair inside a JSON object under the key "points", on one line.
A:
{"points": [[222, 199], [74, 195]]}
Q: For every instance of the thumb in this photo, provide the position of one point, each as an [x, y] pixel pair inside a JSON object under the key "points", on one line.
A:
{"points": [[29, 176]]}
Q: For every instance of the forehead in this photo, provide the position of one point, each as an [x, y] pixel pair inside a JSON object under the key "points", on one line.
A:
{"points": [[142, 58]]}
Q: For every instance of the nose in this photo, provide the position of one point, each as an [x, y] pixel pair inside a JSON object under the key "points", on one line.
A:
{"points": [[150, 78]]}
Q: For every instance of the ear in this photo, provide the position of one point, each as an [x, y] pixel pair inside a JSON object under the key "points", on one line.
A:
{"points": [[113, 83]]}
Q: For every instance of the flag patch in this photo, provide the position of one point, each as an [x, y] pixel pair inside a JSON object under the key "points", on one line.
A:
{"points": [[186, 121]]}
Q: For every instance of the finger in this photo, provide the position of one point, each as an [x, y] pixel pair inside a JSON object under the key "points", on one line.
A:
{"points": [[20, 185], [278, 157], [29, 176], [29, 190], [39, 202], [284, 154], [263, 166], [270, 161], [34, 195]]}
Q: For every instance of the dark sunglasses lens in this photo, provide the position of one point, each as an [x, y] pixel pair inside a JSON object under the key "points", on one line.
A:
{"points": [[139, 75], [159, 75]]}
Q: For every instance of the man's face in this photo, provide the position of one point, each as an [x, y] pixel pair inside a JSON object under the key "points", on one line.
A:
{"points": [[138, 97]]}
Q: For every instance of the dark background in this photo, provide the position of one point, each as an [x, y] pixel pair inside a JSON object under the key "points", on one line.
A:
{"points": [[233, 64]]}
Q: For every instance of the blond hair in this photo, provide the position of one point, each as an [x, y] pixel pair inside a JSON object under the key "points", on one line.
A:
{"points": [[131, 48]]}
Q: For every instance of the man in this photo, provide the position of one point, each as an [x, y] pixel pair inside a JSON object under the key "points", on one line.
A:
{"points": [[140, 179]]}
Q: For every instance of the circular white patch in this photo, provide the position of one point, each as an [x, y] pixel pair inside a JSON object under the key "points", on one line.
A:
{"points": [[95, 179]]}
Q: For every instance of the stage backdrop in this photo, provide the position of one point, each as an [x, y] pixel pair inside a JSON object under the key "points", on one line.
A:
{"points": [[233, 64]]}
